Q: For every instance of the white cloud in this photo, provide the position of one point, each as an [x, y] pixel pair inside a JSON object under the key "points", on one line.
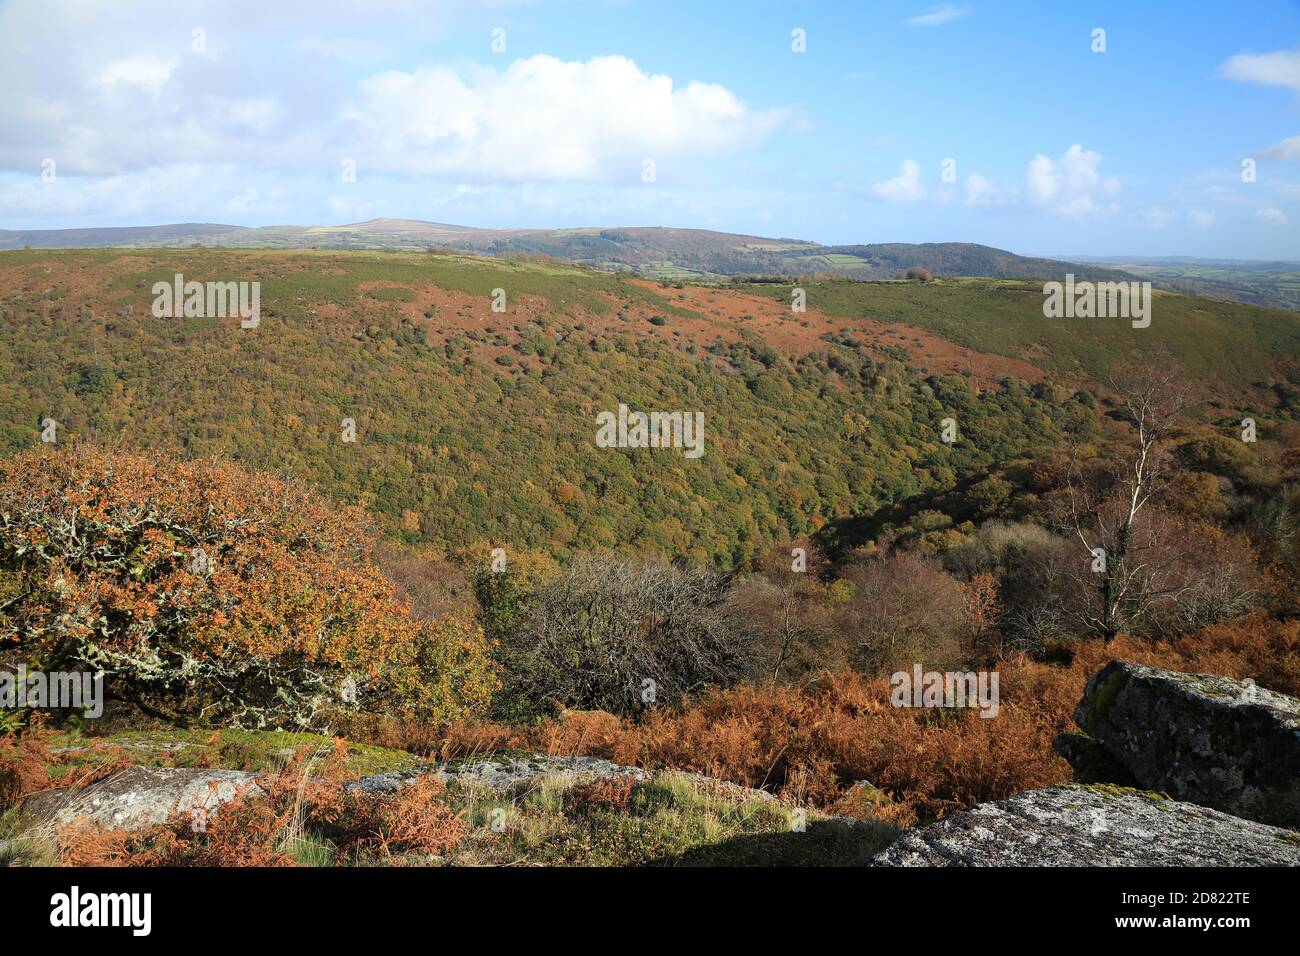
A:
{"points": [[1272, 216], [982, 191], [1281, 68], [938, 16], [144, 72], [131, 89], [905, 187], [545, 119], [1071, 186], [1203, 218], [1289, 148]]}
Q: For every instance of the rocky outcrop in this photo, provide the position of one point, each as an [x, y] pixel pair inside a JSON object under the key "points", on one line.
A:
{"points": [[140, 797], [503, 772], [1216, 768], [1092, 825], [1200, 738], [1091, 763]]}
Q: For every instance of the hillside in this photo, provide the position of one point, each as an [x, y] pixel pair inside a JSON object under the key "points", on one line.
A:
{"points": [[387, 380], [474, 426]]}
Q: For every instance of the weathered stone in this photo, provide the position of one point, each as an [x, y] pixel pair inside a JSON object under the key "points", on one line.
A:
{"points": [[140, 797], [1210, 740], [1090, 761], [1092, 825], [502, 772]]}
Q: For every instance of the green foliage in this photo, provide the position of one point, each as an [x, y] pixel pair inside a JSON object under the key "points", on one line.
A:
{"points": [[1224, 342], [453, 448]]}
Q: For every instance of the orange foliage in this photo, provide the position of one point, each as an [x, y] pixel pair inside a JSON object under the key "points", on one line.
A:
{"points": [[26, 761], [608, 792], [257, 828], [812, 743], [24, 766], [206, 575]]}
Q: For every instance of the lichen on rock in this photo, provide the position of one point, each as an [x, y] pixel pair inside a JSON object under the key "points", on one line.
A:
{"points": [[1099, 825], [1202, 738]]}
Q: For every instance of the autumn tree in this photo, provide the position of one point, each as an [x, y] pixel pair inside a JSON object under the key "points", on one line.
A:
{"points": [[782, 606], [205, 591], [903, 608], [1112, 502]]}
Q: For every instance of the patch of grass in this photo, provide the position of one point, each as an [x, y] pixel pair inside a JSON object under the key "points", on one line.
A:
{"points": [[25, 844], [672, 819], [1227, 341], [309, 850]]}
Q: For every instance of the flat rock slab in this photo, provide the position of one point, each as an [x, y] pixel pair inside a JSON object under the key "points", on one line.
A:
{"points": [[1081, 825], [1202, 738], [140, 797], [503, 772]]}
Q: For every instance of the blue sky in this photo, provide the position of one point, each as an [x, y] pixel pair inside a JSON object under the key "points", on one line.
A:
{"points": [[1055, 148]]}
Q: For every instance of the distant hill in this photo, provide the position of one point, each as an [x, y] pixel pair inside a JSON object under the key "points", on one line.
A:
{"points": [[653, 252], [1255, 282], [886, 260]]}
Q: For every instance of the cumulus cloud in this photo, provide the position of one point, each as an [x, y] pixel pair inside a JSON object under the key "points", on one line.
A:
{"points": [[1203, 218], [905, 187], [1272, 216], [1289, 148], [938, 16], [543, 118], [132, 92], [1071, 186], [147, 73], [1280, 68]]}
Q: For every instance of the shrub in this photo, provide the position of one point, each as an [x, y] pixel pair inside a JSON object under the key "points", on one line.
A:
{"points": [[203, 590], [904, 609], [26, 759], [613, 793], [813, 742], [616, 635]]}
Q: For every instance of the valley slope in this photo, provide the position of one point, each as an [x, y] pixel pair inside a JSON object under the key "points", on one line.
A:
{"points": [[478, 427]]}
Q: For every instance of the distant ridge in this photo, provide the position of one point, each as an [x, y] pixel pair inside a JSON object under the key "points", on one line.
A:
{"points": [[655, 252]]}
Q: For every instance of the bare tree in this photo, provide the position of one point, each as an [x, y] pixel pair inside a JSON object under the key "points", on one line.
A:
{"points": [[1111, 507], [781, 606], [619, 635], [905, 607]]}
